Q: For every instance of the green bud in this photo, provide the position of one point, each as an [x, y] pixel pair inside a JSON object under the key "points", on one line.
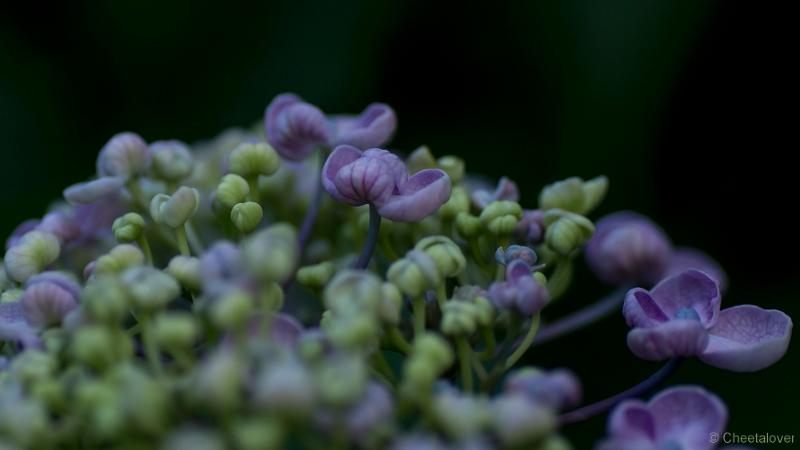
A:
{"points": [[316, 276], [518, 421], [458, 203], [128, 228], [172, 160], [435, 349], [258, 433], [352, 331], [33, 365], [186, 269], [468, 226], [121, 257], [420, 159], [50, 393], [540, 278], [415, 273], [566, 232], [146, 401], [353, 292], [100, 347], [246, 216], [251, 160], [34, 251], [98, 403], [150, 289], [272, 253], [342, 380], [232, 189], [232, 310], [445, 253], [501, 217], [218, 381], [176, 331], [453, 166], [25, 422], [391, 304], [285, 387], [177, 209], [11, 295], [105, 299], [271, 297], [574, 194], [459, 318], [461, 415], [430, 357]]}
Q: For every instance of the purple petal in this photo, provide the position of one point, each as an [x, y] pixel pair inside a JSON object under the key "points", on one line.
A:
{"points": [[60, 279], [295, 128], [21, 230], [747, 338], [125, 154], [419, 197], [506, 190], [640, 310], [61, 225], [631, 421], [372, 128], [531, 226], [366, 180], [45, 304], [92, 191], [340, 157], [689, 289], [687, 415], [685, 258], [673, 338]]}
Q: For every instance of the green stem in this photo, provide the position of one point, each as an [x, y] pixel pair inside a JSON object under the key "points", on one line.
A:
{"points": [[382, 366], [465, 360], [255, 192], [418, 305], [145, 246], [183, 244], [441, 295], [559, 280], [194, 239], [526, 343], [397, 339], [488, 336], [150, 344]]}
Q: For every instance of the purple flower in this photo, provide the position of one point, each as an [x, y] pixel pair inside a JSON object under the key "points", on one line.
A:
{"points": [[681, 417], [513, 252], [531, 227], [505, 190], [627, 247], [14, 328], [48, 298], [379, 177], [520, 291], [557, 388], [93, 191], [684, 258], [124, 155], [681, 317], [296, 128]]}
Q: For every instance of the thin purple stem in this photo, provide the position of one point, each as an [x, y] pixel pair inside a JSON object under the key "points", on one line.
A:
{"points": [[653, 381], [311, 215], [372, 238]]}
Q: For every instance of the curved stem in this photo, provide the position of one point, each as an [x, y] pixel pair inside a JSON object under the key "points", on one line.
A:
{"points": [[583, 317], [372, 238], [526, 342], [145, 246], [151, 349], [255, 191], [397, 339], [183, 245], [311, 215], [640, 389], [465, 360]]}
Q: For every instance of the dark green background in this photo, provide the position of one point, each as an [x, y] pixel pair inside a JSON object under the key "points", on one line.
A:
{"points": [[680, 103]]}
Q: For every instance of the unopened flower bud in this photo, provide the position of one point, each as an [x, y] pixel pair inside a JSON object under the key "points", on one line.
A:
{"points": [[217, 381], [105, 299], [232, 189], [445, 253], [251, 160], [33, 252], [285, 388], [574, 194], [150, 289], [48, 299], [459, 318], [176, 331], [93, 191], [461, 416], [519, 421], [501, 217], [468, 225], [457, 204], [353, 292], [352, 331], [391, 304], [232, 310], [272, 253], [176, 209], [514, 252], [420, 159], [271, 298], [124, 155], [186, 269], [316, 276], [128, 228], [415, 273], [433, 348], [341, 381], [99, 347], [453, 166], [32, 366], [566, 232], [118, 259], [172, 160], [246, 216]]}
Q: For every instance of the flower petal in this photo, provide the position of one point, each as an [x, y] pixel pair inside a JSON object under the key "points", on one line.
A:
{"points": [[673, 338], [340, 157], [372, 128], [295, 128], [689, 289], [687, 415], [748, 338], [92, 191], [632, 420], [419, 197], [685, 258]]}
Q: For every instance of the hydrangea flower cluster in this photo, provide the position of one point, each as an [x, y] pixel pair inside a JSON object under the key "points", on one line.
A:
{"points": [[297, 285]]}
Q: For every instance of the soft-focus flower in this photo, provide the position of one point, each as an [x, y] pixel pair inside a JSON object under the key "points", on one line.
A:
{"points": [[48, 298], [272, 253], [681, 317], [557, 388], [93, 191], [172, 160], [514, 252], [519, 421], [521, 291], [14, 327], [372, 413], [380, 178], [574, 194], [506, 190], [628, 247], [684, 258], [124, 155], [372, 128], [31, 254], [531, 227], [682, 417]]}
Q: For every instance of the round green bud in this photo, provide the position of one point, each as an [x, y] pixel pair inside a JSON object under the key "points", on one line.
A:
{"points": [[25, 422], [176, 331], [105, 299], [391, 304], [420, 159], [540, 278], [258, 433], [461, 416], [146, 401], [232, 310], [176, 209], [271, 297], [342, 380], [574, 194], [433, 348], [566, 232], [501, 217], [415, 273], [99, 347], [285, 387], [272, 254], [121, 257], [33, 365], [445, 253], [172, 160], [353, 292], [34, 251], [186, 269], [459, 318], [232, 189], [129, 227], [484, 311], [11, 295], [518, 422], [217, 383], [353, 331], [246, 216], [251, 160], [458, 203], [149, 288], [453, 166], [316, 276], [468, 226], [418, 375]]}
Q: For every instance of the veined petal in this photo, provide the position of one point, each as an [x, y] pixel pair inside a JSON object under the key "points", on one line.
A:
{"points": [[419, 197], [340, 157], [295, 128], [92, 191], [372, 128], [673, 338], [688, 415], [689, 289]]}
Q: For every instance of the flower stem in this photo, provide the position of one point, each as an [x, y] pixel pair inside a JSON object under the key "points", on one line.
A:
{"points": [[589, 411], [441, 295], [372, 238], [311, 214], [255, 192], [150, 344], [183, 244], [397, 339], [465, 362], [145, 246], [526, 342], [418, 305]]}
